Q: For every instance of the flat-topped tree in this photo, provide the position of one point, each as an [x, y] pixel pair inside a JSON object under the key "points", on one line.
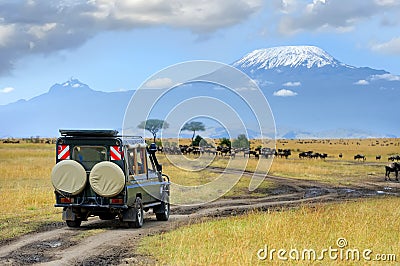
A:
{"points": [[193, 126], [153, 125]]}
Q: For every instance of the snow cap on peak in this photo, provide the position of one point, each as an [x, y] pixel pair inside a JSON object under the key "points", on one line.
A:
{"points": [[288, 56], [68, 85], [74, 83]]}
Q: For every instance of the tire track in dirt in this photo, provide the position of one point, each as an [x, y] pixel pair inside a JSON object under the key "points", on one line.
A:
{"points": [[115, 243]]}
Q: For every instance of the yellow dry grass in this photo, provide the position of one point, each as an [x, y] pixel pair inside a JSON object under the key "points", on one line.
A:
{"points": [[27, 199], [237, 240], [26, 194]]}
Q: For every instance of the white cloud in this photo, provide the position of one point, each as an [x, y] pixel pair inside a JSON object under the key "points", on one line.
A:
{"points": [[390, 47], [326, 15], [292, 84], [284, 93], [197, 15], [262, 83], [362, 82], [42, 27], [40, 31], [7, 90], [387, 2], [388, 77], [245, 89], [6, 33], [159, 83]]}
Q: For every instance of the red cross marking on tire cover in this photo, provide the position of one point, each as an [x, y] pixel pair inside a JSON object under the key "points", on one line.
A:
{"points": [[115, 152], [63, 152]]}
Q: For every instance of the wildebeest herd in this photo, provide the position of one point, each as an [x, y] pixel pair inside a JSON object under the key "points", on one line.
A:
{"points": [[221, 151], [312, 155], [226, 151], [279, 153]]}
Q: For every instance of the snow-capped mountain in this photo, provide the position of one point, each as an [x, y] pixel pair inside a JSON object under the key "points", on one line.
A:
{"points": [[311, 91], [287, 56], [71, 84], [311, 94], [71, 104]]}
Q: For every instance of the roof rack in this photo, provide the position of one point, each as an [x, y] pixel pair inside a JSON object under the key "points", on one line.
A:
{"points": [[88, 133]]}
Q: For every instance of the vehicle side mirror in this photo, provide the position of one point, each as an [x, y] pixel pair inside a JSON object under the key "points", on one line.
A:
{"points": [[153, 148]]}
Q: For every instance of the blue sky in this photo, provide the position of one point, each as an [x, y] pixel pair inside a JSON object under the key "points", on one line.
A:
{"points": [[116, 45]]}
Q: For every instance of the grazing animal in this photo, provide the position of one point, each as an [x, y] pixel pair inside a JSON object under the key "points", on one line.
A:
{"points": [[250, 152], [267, 152], [394, 157], [283, 153], [393, 167], [340, 155], [323, 156], [359, 156], [224, 151], [378, 157]]}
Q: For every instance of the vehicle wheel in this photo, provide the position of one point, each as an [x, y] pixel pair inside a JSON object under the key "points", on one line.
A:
{"points": [[138, 209], [74, 224], [164, 215]]}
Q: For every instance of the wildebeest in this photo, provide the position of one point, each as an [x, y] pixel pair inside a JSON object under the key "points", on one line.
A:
{"points": [[267, 152], [311, 154], [283, 153], [394, 157], [223, 150], [249, 152], [378, 157], [393, 167], [359, 156]]}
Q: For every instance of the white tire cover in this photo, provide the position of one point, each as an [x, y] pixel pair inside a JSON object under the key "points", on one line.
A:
{"points": [[68, 176], [107, 179]]}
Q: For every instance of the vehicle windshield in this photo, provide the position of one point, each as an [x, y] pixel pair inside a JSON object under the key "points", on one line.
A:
{"points": [[89, 155]]}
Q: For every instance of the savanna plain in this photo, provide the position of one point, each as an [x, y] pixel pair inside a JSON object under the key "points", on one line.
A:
{"points": [[364, 218]]}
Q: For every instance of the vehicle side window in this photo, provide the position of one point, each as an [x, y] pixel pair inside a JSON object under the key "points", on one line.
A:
{"points": [[131, 161], [141, 162]]}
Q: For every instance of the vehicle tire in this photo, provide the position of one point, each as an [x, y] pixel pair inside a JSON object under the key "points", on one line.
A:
{"points": [[165, 207], [69, 177], [74, 224], [138, 209], [107, 179]]}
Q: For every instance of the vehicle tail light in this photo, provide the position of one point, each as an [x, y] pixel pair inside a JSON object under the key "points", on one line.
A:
{"points": [[117, 201], [66, 200]]}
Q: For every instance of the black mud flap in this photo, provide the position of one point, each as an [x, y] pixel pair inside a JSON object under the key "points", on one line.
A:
{"points": [[129, 215]]}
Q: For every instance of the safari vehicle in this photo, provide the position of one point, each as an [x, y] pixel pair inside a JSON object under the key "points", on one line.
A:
{"points": [[99, 173]]}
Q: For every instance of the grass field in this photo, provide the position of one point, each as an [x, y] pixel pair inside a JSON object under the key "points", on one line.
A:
{"points": [[365, 225], [27, 199], [26, 194]]}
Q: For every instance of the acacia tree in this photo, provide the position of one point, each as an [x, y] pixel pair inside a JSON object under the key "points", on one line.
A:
{"points": [[225, 141], [193, 126], [153, 125], [241, 142]]}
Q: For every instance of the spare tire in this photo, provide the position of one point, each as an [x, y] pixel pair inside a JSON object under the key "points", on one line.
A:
{"points": [[68, 176], [107, 179]]}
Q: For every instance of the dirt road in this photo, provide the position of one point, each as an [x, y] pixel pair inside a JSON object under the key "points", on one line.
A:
{"points": [[110, 242]]}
